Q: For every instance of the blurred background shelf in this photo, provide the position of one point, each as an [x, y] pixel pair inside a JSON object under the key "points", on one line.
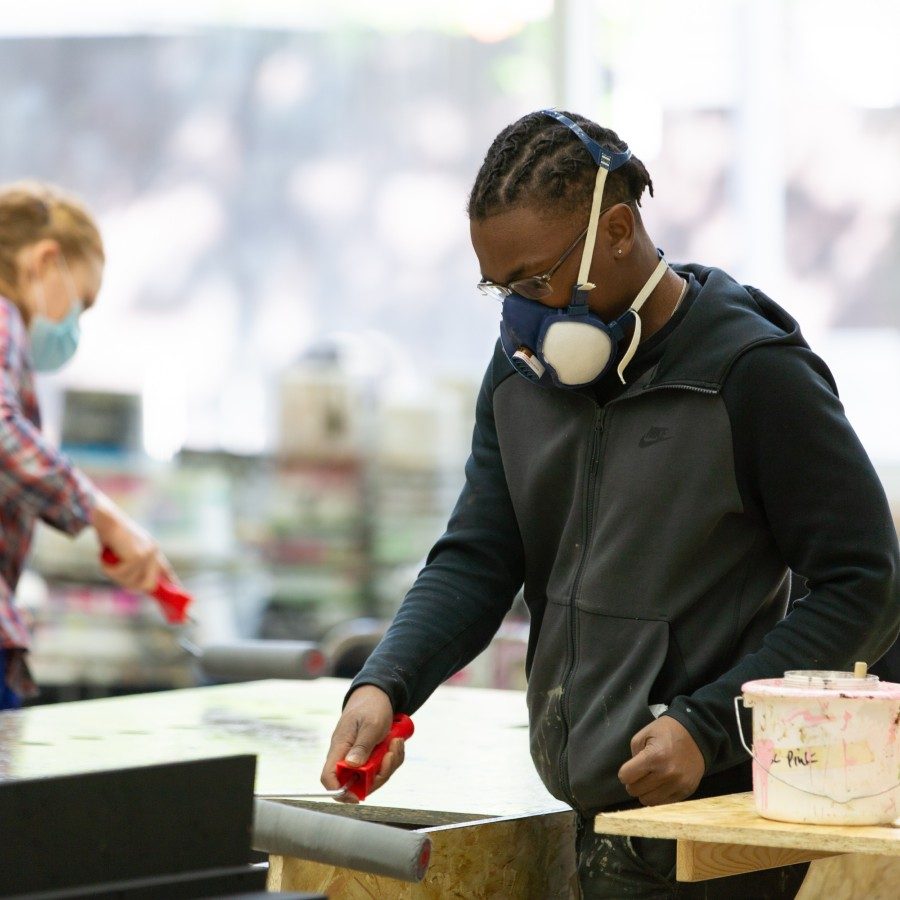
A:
{"points": [[318, 540]]}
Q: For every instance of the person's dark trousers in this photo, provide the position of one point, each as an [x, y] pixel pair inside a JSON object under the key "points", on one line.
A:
{"points": [[613, 867]]}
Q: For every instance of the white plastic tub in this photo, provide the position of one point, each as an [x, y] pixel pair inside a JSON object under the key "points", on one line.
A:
{"points": [[825, 748]]}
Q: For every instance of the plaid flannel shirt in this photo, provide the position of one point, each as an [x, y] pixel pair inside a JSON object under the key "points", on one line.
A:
{"points": [[36, 480]]}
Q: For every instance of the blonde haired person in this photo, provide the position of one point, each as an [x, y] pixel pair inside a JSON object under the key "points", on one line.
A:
{"points": [[51, 266]]}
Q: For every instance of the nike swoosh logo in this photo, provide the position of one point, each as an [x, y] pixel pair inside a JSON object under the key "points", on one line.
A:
{"points": [[655, 436]]}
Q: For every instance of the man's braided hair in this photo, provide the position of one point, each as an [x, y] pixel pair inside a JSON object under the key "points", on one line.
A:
{"points": [[538, 162]]}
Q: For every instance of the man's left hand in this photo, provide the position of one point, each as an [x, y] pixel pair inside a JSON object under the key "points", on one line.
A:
{"points": [[666, 764]]}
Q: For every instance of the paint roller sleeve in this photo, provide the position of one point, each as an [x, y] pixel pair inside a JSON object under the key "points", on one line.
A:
{"points": [[340, 841]]}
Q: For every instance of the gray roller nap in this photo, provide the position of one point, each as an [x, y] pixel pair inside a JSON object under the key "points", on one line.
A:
{"points": [[337, 840], [261, 659]]}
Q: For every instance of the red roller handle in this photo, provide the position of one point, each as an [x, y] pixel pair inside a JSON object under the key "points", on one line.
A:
{"points": [[173, 600], [359, 779]]}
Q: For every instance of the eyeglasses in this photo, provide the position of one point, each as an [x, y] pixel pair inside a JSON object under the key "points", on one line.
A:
{"points": [[538, 287], [535, 287]]}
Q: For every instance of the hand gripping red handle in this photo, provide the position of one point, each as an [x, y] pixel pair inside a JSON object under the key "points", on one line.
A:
{"points": [[173, 600], [359, 779]]}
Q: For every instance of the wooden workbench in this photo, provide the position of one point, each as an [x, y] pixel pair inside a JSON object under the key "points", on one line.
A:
{"points": [[723, 836], [468, 778]]}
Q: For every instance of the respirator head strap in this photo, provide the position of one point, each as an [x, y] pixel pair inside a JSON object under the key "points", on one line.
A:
{"points": [[607, 161], [634, 309]]}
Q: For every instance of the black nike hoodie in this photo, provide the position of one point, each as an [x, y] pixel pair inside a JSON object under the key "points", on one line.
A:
{"points": [[654, 536]]}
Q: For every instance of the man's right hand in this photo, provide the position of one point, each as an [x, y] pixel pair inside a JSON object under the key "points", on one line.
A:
{"points": [[365, 722]]}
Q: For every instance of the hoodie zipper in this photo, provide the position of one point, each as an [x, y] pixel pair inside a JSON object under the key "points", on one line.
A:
{"points": [[593, 467], [664, 387]]}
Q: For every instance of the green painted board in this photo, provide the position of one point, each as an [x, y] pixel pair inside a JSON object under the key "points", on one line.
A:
{"points": [[468, 758]]}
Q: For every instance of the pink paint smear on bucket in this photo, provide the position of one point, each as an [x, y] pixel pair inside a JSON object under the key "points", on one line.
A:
{"points": [[763, 756]]}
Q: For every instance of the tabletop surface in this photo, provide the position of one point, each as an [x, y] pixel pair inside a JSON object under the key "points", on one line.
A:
{"points": [[733, 819], [468, 758]]}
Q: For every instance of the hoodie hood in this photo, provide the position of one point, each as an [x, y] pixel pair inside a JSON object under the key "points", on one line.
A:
{"points": [[724, 321]]}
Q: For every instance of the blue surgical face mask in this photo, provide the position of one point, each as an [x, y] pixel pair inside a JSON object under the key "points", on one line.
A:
{"points": [[574, 347], [53, 343]]}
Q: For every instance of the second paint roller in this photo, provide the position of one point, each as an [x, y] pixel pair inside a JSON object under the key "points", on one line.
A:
{"points": [[250, 659]]}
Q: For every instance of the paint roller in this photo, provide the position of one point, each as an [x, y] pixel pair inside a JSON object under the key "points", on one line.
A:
{"points": [[248, 659], [253, 659], [338, 840]]}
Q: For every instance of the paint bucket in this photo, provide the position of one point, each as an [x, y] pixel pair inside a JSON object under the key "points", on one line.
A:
{"points": [[825, 748]]}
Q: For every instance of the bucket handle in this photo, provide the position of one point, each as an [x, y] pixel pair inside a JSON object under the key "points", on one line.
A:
{"points": [[740, 724], [771, 774]]}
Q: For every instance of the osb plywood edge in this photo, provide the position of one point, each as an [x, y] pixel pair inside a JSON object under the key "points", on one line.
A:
{"points": [[733, 820], [547, 817], [386, 815], [512, 857]]}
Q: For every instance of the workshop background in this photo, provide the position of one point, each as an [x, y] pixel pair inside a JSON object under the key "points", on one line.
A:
{"points": [[279, 376]]}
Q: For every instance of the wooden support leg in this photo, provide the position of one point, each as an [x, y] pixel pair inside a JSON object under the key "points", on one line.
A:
{"points": [[703, 860]]}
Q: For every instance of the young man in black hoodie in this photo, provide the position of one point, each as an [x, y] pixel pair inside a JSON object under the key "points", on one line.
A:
{"points": [[656, 449]]}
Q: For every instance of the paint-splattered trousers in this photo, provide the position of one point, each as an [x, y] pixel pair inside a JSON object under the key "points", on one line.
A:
{"points": [[613, 867]]}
